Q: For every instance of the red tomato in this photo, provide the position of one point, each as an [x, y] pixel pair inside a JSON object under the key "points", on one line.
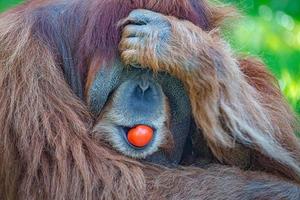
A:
{"points": [[140, 135]]}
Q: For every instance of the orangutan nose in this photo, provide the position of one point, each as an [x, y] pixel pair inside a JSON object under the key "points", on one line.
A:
{"points": [[143, 84]]}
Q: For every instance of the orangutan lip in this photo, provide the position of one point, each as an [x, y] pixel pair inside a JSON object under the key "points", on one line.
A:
{"points": [[124, 130]]}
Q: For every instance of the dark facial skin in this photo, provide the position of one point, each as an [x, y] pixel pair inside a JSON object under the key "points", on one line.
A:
{"points": [[122, 98]]}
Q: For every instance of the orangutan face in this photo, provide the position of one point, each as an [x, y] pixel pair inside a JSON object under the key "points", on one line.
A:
{"points": [[125, 99]]}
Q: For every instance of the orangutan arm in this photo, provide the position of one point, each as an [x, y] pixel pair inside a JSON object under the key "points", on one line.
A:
{"points": [[220, 182], [227, 107]]}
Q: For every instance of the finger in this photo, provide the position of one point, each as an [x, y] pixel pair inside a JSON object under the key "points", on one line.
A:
{"points": [[134, 31], [130, 57], [142, 15], [130, 43], [133, 20], [139, 17], [124, 22]]}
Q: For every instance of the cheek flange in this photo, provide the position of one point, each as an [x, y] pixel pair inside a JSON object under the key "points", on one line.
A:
{"points": [[105, 81]]}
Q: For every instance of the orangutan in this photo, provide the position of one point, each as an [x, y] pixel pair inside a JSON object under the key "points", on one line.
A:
{"points": [[56, 105]]}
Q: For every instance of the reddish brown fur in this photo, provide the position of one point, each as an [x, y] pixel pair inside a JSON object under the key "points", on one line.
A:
{"points": [[221, 94], [104, 35], [267, 85], [46, 151]]}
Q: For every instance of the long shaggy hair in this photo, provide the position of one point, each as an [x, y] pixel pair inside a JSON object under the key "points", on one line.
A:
{"points": [[46, 51]]}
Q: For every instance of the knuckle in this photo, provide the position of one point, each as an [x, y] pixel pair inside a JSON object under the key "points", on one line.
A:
{"points": [[136, 13], [122, 47], [130, 28], [144, 15], [124, 55]]}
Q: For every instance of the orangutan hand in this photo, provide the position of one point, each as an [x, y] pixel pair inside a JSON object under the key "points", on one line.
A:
{"points": [[162, 42]]}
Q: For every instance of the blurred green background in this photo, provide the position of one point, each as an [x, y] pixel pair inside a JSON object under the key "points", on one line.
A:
{"points": [[269, 29]]}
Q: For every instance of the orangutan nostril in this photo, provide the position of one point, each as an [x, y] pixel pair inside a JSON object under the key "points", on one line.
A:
{"points": [[144, 85]]}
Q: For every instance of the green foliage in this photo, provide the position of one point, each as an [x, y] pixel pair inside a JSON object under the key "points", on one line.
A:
{"points": [[271, 30], [4, 4]]}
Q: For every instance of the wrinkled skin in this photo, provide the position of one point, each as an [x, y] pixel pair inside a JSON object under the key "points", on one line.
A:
{"points": [[122, 98]]}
